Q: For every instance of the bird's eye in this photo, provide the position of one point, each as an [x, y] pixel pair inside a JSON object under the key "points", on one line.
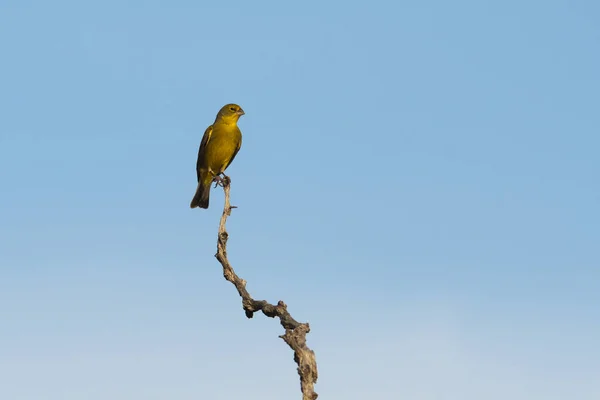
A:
{"points": [[232, 109]]}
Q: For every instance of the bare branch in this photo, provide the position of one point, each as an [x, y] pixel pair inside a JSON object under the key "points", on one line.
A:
{"points": [[295, 332]]}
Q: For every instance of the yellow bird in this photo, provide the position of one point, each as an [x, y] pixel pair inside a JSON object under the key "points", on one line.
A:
{"points": [[220, 143]]}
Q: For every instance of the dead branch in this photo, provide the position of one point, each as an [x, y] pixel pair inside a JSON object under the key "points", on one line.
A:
{"points": [[295, 332]]}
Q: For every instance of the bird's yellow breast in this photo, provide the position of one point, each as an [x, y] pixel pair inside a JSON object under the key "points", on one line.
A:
{"points": [[224, 142]]}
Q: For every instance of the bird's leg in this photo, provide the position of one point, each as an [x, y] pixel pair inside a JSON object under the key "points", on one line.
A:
{"points": [[225, 179], [220, 179]]}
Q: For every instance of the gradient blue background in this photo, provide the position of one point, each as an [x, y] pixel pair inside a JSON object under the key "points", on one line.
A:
{"points": [[419, 182]]}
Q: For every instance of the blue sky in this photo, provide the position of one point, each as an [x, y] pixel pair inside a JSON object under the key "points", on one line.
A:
{"points": [[419, 182]]}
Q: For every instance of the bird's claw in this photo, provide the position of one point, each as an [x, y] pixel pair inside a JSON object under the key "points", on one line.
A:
{"points": [[218, 180], [221, 179]]}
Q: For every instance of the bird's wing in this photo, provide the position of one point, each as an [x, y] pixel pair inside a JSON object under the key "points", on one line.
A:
{"points": [[202, 149]]}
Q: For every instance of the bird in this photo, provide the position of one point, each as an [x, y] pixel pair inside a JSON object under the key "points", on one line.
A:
{"points": [[219, 146]]}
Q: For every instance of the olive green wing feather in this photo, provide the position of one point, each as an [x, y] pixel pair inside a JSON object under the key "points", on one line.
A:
{"points": [[202, 149]]}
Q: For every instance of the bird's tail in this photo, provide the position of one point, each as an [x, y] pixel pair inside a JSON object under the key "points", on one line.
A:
{"points": [[202, 195]]}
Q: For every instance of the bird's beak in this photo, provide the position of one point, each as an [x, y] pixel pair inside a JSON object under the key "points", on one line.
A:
{"points": [[240, 112]]}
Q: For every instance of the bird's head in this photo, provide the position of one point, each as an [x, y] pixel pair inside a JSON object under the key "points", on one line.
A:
{"points": [[230, 113]]}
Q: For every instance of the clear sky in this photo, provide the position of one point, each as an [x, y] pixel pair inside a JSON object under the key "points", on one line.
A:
{"points": [[418, 180]]}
